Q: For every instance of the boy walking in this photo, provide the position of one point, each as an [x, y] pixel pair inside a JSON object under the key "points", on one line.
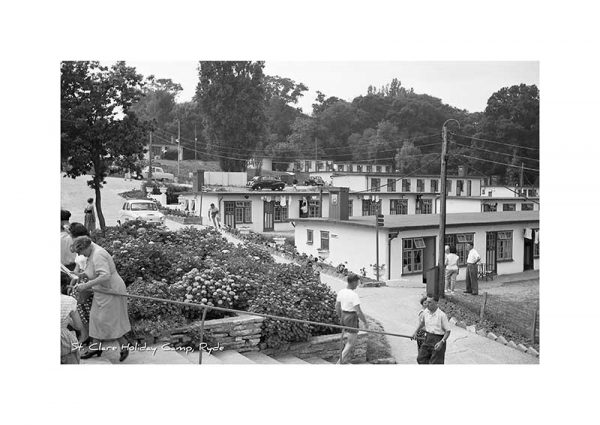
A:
{"points": [[347, 307]]}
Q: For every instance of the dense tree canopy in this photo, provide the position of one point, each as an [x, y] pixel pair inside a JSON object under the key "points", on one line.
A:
{"points": [[98, 126], [231, 96]]}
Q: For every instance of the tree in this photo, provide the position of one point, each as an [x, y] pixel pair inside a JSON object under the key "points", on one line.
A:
{"points": [[408, 158], [231, 96], [98, 127], [158, 102]]}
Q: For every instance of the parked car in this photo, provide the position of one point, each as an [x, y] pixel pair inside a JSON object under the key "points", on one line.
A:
{"points": [[157, 174], [314, 181], [266, 182], [143, 209]]}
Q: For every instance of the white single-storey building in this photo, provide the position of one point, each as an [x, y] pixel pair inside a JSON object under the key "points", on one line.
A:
{"points": [[508, 242]]}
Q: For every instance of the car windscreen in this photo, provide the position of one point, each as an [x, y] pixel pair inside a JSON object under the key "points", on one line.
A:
{"points": [[143, 206]]}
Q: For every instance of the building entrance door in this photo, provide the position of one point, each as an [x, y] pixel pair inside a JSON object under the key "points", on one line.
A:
{"points": [[490, 251], [229, 213], [528, 252], [268, 216]]}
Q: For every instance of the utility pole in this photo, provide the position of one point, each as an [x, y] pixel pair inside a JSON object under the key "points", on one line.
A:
{"points": [[195, 143], [316, 153], [521, 177], [150, 160], [178, 146], [378, 223], [439, 288]]}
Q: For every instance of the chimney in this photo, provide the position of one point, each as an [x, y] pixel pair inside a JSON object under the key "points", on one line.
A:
{"points": [[198, 181], [338, 203]]}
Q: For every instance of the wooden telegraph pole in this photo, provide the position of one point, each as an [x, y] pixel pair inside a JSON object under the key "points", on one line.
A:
{"points": [[150, 160], [439, 288]]}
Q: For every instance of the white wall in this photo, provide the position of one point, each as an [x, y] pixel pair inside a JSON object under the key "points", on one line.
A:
{"points": [[222, 178], [355, 183], [354, 244]]}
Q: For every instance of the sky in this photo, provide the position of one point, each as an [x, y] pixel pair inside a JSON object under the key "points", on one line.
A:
{"points": [[465, 85]]}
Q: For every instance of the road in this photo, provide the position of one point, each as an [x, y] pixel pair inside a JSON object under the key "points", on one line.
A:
{"points": [[75, 192]]}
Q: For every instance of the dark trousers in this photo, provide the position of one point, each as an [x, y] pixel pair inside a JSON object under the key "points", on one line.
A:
{"points": [[471, 281], [71, 266], [427, 355]]}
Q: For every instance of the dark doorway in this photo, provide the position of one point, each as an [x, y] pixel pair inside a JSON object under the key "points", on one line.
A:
{"points": [[528, 251], [491, 243], [268, 216]]}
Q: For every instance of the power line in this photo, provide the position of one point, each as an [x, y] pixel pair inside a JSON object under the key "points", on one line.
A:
{"points": [[496, 162], [494, 141], [506, 187], [403, 177], [496, 152]]}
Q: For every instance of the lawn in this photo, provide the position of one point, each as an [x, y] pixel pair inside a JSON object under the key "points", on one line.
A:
{"points": [[511, 303]]}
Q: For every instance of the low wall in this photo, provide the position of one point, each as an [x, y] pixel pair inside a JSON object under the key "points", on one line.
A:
{"points": [[185, 220], [240, 333], [326, 347]]}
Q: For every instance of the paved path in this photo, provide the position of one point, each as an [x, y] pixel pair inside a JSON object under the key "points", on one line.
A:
{"points": [[75, 192]]}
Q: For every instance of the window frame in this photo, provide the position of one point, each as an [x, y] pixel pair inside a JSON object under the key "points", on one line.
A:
{"points": [[405, 185], [322, 234], [421, 186], [410, 254], [280, 213], [391, 185], [309, 237], [375, 187], [314, 208], [369, 209], [434, 185], [536, 246], [529, 205], [504, 245], [510, 204], [400, 204], [459, 242]]}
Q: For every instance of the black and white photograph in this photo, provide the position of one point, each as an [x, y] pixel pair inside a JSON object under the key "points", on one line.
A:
{"points": [[292, 212], [239, 220]]}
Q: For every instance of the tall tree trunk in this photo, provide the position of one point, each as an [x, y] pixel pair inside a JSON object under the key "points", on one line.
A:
{"points": [[99, 213]]}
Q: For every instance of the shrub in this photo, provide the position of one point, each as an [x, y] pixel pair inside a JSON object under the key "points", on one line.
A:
{"points": [[295, 292]]}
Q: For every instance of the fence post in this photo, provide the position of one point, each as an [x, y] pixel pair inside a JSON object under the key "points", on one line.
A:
{"points": [[482, 311], [533, 325], [201, 335]]}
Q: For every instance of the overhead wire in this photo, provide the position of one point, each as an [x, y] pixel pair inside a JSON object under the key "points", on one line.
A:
{"points": [[495, 141], [496, 162], [496, 152]]}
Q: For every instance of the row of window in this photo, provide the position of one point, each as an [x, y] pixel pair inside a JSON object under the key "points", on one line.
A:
{"points": [[325, 166], [324, 238], [397, 206], [390, 185], [525, 206]]}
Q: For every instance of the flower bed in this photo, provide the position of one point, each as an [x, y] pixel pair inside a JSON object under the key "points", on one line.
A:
{"points": [[200, 266]]}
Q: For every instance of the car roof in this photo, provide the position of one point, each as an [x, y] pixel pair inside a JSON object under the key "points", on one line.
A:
{"points": [[132, 201]]}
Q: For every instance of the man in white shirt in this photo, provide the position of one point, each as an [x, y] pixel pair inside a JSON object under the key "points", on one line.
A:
{"points": [[451, 269], [347, 307], [472, 260], [437, 332]]}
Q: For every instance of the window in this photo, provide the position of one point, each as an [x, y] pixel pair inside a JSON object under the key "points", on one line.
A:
{"points": [[504, 247], [459, 243], [448, 186], [306, 166], [280, 213], [350, 207], [391, 185], [434, 186], [314, 208], [369, 168], [526, 207], [536, 243], [469, 187], [243, 212], [532, 193], [370, 207], [388, 169], [340, 168], [487, 207], [324, 240], [375, 185], [378, 168], [424, 206], [420, 185], [398, 206], [319, 165], [309, 237], [405, 185], [359, 168], [412, 255], [509, 207], [459, 187]]}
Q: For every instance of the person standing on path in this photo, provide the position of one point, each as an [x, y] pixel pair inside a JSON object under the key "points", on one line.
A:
{"points": [[472, 260], [451, 269], [67, 257], [89, 217], [420, 335], [437, 332], [347, 307], [213, 215]]}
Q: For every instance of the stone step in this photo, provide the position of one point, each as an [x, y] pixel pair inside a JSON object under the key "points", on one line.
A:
{"points": [[289, 359], [193, 357], [317, 360], [260, 358], [231, 357]]}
